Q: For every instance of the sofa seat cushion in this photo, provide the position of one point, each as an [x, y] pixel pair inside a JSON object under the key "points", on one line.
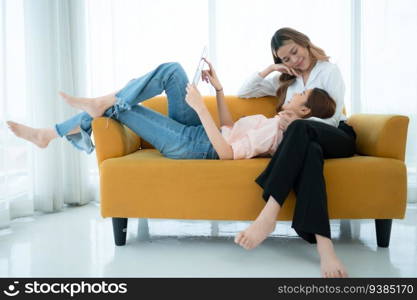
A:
{"points": [[144, 184]]}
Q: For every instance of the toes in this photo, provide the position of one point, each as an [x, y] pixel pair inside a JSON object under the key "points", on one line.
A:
{"points": [[343, 273], [242, 240], [329, 275], [249, 245], [11, 124], [253, 244], [245, 243], [65, 96], [238, 237]]}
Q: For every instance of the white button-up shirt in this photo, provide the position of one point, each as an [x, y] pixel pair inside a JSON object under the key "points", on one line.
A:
{"points": [[324, 75]]}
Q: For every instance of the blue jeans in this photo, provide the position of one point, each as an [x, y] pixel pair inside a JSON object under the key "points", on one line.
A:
{"points": [[180, 135]]}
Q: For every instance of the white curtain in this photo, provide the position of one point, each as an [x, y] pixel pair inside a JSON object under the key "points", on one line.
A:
{"points": [[59, 172], [127, 38], [50, 46], [15, 181], [389, 68]]}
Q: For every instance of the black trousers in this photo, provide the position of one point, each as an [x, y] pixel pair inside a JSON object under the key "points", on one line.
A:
{"points": [[298, 164]]}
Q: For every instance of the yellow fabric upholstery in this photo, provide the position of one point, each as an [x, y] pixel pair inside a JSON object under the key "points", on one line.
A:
{"points": [[136, 181], [113, 139], [380, 135]]}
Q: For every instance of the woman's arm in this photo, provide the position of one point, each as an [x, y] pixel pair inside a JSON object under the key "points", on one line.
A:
{"points": [[256, 86], [224, 113], [223, 149], [194, 99], [260, 85]]}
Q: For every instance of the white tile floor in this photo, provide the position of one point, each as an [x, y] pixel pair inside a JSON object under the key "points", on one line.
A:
{"points": [[79, 243]]}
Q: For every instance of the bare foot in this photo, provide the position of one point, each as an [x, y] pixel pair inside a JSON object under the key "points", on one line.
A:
{"points": [[95, 107], [41, 137], [332, 267], [256, 233]]}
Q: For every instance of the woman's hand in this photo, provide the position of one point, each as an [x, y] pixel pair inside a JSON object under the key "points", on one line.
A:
{"points": [[279, 68], [210, 75], [194, 98], [286, 118], [285, 69]]}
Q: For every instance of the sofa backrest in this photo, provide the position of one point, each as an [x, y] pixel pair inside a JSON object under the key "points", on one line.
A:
{"points": [[238, 108]]}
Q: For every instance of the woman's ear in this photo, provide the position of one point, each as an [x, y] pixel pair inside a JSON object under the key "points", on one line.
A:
{"points": [[305, 111]]}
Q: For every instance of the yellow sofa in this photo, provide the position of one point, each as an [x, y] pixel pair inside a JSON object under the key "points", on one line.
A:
{"points": [[136, 181]]}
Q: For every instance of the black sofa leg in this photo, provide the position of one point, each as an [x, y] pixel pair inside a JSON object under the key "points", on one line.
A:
{"points": [[383, 232], [119, 231]]}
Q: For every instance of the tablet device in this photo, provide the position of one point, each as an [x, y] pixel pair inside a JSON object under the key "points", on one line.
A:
{"points": [[197, 74]]}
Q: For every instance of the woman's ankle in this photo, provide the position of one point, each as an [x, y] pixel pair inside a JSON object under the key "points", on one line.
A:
{"points": [[48, 134], [108, 100], [324, 246], [271, 208]]}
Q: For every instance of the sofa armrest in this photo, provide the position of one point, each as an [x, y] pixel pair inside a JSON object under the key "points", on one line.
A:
{"points": [[380, 135], [113, 139]]}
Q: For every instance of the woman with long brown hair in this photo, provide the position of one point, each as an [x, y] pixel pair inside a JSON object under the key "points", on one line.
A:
{"points": [[298, 162]]}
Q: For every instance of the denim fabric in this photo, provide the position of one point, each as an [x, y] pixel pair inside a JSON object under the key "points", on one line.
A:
{"points": [[81, 140], [179, 135]]}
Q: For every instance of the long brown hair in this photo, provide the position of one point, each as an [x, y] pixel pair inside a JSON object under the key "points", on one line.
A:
{"points": [[320, 103], [277, 41]]}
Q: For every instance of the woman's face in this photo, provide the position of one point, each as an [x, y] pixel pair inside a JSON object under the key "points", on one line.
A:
{"points": [[297, 103], [294, 56]]}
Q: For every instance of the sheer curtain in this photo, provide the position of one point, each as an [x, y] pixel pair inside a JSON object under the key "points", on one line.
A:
{"points": [[389, 68], [128, 38], [42, 53], [60, 173], [15, 181]]}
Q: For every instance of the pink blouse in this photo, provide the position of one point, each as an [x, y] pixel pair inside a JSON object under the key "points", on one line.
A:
{"points": [[253, 136]]}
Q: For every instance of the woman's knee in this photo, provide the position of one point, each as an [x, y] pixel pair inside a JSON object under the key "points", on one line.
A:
{"points": [[301, 129], [172, 69], [297, 125], [172, 66]]}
